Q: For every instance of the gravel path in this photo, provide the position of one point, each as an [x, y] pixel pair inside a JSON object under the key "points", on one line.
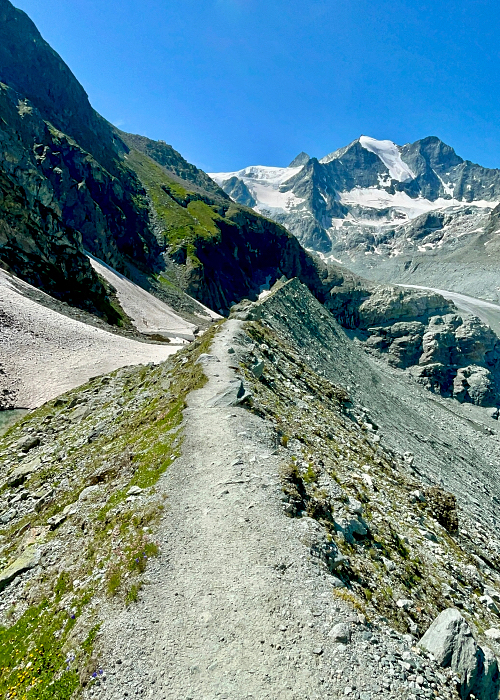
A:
{"points": [[235, 606], [43, 353]]}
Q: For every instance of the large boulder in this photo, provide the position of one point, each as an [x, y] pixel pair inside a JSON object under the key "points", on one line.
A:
{"points": [[449, 639]]}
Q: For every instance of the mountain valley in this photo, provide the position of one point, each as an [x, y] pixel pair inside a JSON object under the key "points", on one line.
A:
{"points": [[249, 421]]}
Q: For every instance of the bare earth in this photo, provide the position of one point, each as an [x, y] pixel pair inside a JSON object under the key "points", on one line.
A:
{"points": [[44, 354]]}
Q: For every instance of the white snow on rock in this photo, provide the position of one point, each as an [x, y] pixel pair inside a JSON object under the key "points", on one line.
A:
{"points": [[264, 183], [148, 314], [389, 154]]}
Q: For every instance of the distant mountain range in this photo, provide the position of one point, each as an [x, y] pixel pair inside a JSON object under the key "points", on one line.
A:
{"points": [[373, 201]]}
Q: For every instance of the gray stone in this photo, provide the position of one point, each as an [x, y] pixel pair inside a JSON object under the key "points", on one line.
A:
{"points": [[27, 443], [87, 492], [56, 520], [80, 413], [28, 560], [258, 369], [8, 516], [134, 491], [20, 474], [233, 395], [449, 639], [340, 633]]}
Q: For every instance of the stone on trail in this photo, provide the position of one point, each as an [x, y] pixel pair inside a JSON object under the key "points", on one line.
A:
{"points": [[340, 633], [233, 395], [449, 639]]}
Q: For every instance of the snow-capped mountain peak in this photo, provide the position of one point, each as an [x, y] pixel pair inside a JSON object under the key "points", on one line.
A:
{"points": [[365, 195]]}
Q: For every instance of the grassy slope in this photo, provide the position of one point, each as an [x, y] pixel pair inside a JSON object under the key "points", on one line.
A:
{"points": [[183, 222]]}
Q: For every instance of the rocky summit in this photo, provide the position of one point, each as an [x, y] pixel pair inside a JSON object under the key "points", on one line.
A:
{"points": [[416, 213], [249, 421]]}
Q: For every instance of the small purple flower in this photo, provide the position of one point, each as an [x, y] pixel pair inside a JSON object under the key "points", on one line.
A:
{"points": [[137, 561], [94, 675], [101, 671], [72, 617]]}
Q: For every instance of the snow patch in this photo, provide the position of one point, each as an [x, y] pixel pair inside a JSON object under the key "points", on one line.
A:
{"points": [[389, 154], [373, 198]]}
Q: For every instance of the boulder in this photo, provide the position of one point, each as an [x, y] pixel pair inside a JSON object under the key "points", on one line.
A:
{"points": [[28, 560], [475, 384], [449, 639], [233, 395]]}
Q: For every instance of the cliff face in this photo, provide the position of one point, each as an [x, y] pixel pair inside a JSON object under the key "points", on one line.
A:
{"points": [[65, 186], [30, 66], [35, 241]]}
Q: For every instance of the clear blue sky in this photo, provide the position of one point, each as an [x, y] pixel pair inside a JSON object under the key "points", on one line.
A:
{"points": [[231, 83]]}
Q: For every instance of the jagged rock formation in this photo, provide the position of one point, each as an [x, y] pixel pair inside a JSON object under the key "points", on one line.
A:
{"points": [[454, 355]]}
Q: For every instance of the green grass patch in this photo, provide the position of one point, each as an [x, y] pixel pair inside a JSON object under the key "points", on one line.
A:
{"points": [[186, 220]]}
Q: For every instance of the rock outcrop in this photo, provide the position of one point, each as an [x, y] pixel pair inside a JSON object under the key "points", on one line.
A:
{"points": [[449, 639], [455, 356]]}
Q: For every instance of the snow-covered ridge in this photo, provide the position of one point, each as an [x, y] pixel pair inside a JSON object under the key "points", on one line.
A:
{"points": [[389, 154], [263, 183]]}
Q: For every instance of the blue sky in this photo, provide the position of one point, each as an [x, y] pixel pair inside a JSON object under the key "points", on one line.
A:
{"points": [[231, 83]]}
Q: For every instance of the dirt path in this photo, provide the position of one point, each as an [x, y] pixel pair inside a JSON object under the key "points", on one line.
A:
{"points": [[235, 608]]}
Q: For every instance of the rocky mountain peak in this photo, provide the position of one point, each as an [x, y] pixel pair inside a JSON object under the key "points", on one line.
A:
{"points": [[301, 159]]}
